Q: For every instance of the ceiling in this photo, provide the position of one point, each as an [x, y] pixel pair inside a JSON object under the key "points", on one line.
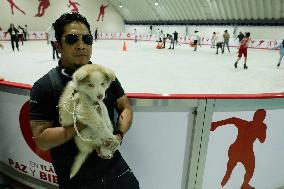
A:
{"points": [[183, 11]]}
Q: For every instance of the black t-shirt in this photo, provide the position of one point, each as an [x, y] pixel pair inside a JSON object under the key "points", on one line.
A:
{"points": [[43, 107], [175, 35], [240, 36]]}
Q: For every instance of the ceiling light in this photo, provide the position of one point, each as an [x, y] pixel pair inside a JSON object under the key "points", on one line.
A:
{"points": [[120, 6], [156, 3]]}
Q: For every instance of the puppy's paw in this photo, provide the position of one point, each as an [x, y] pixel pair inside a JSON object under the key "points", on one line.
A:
{"points": [[112, 143], [105, 153]]}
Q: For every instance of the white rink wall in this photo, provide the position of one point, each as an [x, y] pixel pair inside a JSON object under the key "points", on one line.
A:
{"points": [[257, 32]]}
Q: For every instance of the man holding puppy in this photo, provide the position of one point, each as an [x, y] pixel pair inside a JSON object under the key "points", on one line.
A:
{"points": [[74, 42]]}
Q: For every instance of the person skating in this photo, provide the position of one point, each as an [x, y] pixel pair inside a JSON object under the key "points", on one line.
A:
{"points": [[14, 36], [281, 51], [226, 37], [219, 42], [243, 50]]}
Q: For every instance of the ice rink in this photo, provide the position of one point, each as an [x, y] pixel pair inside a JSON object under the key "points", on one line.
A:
{"points": [[145, 69]]}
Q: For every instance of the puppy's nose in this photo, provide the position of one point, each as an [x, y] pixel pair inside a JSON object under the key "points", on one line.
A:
{"points": [[100, 96]]}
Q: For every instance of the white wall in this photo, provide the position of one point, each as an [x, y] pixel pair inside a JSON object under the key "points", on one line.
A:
{"points": [[145, 29], [113, 22], [257, 32]]}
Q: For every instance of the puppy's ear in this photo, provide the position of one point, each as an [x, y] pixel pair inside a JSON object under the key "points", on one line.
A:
{"points": [[80, 74], [109, 74]]}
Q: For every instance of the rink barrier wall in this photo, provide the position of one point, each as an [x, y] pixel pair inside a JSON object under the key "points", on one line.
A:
{"points": [[180, 143], [205, 40]]}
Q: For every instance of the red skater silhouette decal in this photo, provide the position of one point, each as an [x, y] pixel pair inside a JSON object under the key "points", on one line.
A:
{"points": [[42, 6], [259, 43], [102, 11], [12, 5], [242, 149], [36, 36], [73, 4]]}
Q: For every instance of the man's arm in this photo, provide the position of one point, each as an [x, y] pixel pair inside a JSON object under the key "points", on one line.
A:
{"points": [[46, 136], [126, 114]]}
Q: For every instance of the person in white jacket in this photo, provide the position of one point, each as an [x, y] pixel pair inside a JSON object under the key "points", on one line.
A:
{"points": [[219, 41], [196, 39], [213, 40], [50, 36], [281, 52]]}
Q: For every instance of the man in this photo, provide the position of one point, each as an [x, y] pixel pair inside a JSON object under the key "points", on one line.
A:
{"points": [[176, 37], [226, 37], [74, 42], [50, 36], [26, 34], [96, 34], [135, 35], [243, 50]]}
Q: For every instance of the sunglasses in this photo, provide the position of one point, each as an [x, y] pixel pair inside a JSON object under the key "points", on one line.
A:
{"points": [[71, 39]]}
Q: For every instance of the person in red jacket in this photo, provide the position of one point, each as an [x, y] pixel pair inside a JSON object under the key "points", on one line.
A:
{"points": [[243, 50]]}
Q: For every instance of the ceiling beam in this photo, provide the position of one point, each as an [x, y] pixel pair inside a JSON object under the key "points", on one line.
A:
{"points": [[232, 4], [268, 10], [229, 10]]}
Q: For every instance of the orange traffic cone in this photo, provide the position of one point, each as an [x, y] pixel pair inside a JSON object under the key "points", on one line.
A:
{"points": [[124, 47], [158, 46]]}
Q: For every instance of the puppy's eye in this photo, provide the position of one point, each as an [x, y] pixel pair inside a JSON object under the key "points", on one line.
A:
{"points": [[102, 84], [91, 85]]}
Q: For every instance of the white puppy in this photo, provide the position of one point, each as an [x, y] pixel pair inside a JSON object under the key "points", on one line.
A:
{"points": [[82, 100]]}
